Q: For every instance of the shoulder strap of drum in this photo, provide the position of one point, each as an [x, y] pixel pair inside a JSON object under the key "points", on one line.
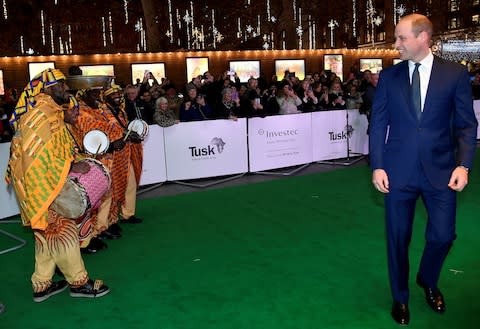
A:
{"points": [[115, 114], [80, 148]]}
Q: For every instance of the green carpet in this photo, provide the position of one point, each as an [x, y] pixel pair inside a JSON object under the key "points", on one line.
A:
{"points": [[296, 253]]}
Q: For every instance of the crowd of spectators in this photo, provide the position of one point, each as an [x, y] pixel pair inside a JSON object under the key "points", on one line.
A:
{"points": [[206, 97]]}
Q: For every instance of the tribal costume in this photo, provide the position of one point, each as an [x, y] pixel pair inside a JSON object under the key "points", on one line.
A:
{"points": [[102, 119], [125, 184], [42, 151]]}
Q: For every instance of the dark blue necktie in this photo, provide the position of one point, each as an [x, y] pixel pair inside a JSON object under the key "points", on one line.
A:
{"points": [[416, 97]]}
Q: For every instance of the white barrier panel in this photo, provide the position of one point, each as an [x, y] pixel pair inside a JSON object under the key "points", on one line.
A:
{"points": [[476, 108], [206, 148], [153, 170], [330, 132], [8, 200], [279, 141]]}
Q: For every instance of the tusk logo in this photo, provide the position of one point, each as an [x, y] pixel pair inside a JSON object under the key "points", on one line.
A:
{"points": [[219, 143]]}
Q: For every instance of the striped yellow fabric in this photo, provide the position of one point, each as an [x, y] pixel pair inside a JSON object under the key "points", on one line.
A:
{"points": [[41, 153], [26, 101]]}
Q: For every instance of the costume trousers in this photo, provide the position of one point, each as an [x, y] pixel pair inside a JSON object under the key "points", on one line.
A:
{"points": [[58, 246], [439, 233], [128, 207]]}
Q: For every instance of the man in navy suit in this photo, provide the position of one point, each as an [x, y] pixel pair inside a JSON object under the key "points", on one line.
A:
{"points": [[422, 144]]}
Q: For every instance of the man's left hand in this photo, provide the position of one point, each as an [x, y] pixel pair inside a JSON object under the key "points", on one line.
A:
{"points": [[459, 179], [134, 137]]}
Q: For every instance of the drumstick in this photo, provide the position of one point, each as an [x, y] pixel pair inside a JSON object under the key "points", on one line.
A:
{"points": [[128, 133], [98, 150]]}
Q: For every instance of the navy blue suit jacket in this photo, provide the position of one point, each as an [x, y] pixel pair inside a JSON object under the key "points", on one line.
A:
{"points": [[444, 137]]}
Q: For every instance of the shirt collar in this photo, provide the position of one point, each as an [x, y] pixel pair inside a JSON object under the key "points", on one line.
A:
{"points": [[426, 63]]}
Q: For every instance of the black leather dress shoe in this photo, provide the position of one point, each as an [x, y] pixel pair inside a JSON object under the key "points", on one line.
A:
{"points": [[115, 228], [400, 313], [433, 297], [132, 220], [94, 246], [109, 235], [89, 249]]}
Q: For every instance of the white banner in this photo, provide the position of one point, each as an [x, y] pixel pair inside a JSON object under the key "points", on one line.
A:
{"points": [[279, 141], [8, 200], [153, 170], [330, 131], [206, 148], [476, 108]]}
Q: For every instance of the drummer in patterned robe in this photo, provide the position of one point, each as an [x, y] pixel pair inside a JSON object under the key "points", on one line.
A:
{"points": [[41, 157], [125, 184], [97, 225]]}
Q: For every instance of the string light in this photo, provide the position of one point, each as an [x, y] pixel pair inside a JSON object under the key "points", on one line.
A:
{"points": [[314, 32], [125, 9], [60, 45], [69, 39], [457, 50], [170, 21], [268, 10], [104, 36], [191, 11], [5, 12], [354, 18], [51, 38], [239, 31], [214, 30], [299, 28], [22, 47], [394, 12], [332, 24], [179, 22], [186, 18], [258, 24], [110, 26], [310, 44], [42, 20], [294, 5]]}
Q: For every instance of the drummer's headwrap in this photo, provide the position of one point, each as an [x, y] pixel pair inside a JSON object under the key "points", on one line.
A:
{"points": [[73, 103], [114, 88], [26, 101]]}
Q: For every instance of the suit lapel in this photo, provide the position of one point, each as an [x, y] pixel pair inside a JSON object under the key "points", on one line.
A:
{"points": [[435, 78]]}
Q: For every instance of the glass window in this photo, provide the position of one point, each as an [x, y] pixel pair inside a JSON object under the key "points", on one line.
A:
{"points": [[453, 23], [453, 5], [476, 19]]}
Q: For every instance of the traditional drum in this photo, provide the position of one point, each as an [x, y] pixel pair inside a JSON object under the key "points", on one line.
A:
{"points": [[96, 142], [138, 126], [83, 192]]}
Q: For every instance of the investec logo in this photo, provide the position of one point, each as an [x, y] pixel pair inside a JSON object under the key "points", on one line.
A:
{"points": [[278, 133], [346, 133], [215, 147]]}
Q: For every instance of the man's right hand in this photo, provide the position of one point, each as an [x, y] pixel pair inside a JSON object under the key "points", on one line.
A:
{"points": [[380, 180], [80, 167], [117, 145]]}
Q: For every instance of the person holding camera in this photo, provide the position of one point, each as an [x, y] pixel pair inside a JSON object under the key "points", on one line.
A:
{"points": [[288, 100], [251, 101], [336, 98], [194, 106], [308, 97]]}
